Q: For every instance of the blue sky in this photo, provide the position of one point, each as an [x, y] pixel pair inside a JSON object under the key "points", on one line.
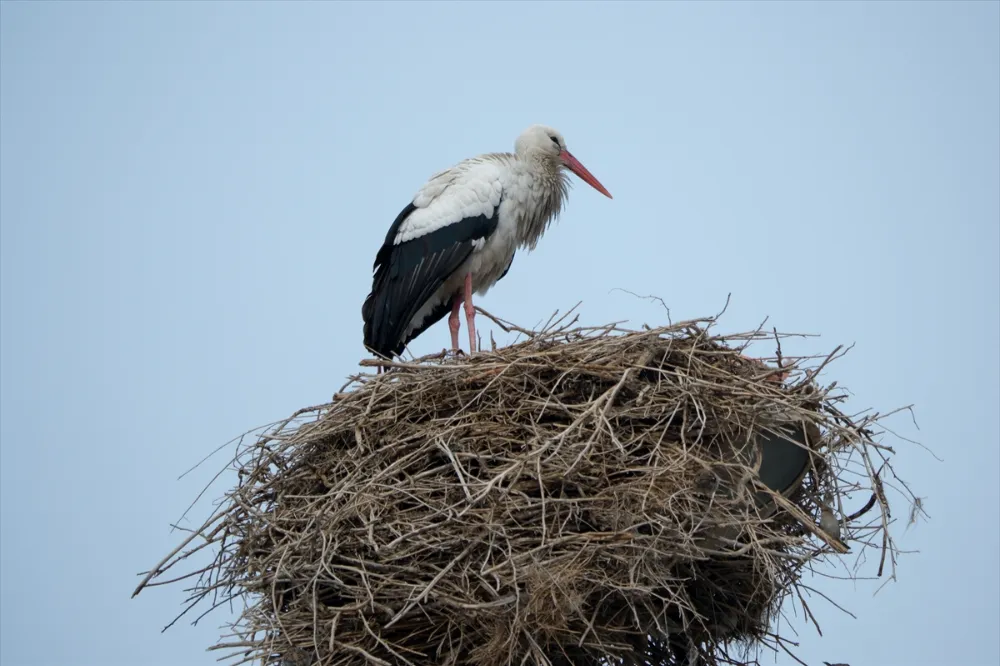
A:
{"points": [[191, 196]]}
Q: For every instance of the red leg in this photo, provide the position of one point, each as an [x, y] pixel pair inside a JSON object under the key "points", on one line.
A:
{"points": [[470, 313], [453, 321]]}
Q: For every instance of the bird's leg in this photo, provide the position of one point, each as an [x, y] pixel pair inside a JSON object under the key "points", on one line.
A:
{"points": [[453, 321], [470, 313]]}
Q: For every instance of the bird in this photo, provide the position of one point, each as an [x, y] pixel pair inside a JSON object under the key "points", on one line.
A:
{"points": [[458, 236], [830, 525]]}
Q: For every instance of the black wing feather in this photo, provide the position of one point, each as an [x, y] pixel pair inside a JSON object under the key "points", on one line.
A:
{"points": [[387, 244], [408, 274]]}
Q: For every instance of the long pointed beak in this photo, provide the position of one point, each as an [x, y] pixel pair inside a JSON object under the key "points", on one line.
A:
{"points": [[574, 165]]}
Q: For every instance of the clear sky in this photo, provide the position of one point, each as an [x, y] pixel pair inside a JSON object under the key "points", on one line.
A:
{"points": [[192, 194]]}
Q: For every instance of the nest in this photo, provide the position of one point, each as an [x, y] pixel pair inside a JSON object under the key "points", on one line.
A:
{"points": [[585, 496]]}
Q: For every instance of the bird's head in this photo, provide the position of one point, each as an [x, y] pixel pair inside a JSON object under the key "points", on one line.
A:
{"points": [[548, 146]]}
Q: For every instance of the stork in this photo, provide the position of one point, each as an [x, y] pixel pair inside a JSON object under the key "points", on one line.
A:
{"points": [[458, 235]]}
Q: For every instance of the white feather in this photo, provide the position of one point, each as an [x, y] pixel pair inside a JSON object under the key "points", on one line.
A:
{"points": [[470, 189]]}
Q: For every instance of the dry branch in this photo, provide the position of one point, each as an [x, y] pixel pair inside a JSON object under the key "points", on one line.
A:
{"points": [[586, 496]]}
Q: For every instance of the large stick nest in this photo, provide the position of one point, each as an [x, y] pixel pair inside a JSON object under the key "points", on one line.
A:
{"points": [[587, 496]]}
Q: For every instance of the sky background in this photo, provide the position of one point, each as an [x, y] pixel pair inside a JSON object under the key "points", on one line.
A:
{"points": [[192, 195]]}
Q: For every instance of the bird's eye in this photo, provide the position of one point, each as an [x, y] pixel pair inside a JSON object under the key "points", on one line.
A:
{"points": [[555, 141]]}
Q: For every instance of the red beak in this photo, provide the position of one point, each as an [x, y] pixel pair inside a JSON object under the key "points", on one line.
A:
{"points": [[574, 165]]}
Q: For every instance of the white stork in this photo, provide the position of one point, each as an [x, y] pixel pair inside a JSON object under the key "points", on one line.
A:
{"points": [[458, 237]]}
